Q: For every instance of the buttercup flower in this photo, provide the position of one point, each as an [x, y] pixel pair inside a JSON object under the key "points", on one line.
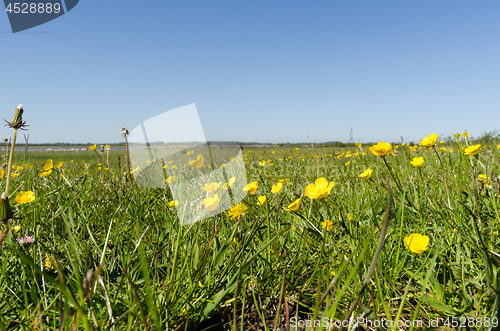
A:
{"points": [[170, 179], [229, 184], [190, 153], [237, 211], [327, 225], [16, 229], [484, 179], [49, 263], [261, 200], [416, 243], [92, 147], [472, 150], [49, 165], [276, 188], [212, 187], [381, 149], [283, 181], [417, 161], [251, 188], [320, 189], [24, 197], [294, 206], [173, 203], [59, 164], [211, 203], [350, 217], [430, 140], [366, 174], [197, 163], [2, 173], [465, 134]]}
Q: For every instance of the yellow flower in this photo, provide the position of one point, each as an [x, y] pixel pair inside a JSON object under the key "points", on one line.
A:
{"points": [[430, 140], [262, 163], [358, 144], [2, 173], [237, 211], [294, 206], [92, 147], [416, 243], [211, 203], [484, 179], [251, 188], [48, 166], [297, 149], [327, 225], [107, 147], [59, 164], [170, 179], [49, 263], [197, 163], [320, 189], [465, 134], [283, 181], [173, 203], [16, 228], [381, 149], [261, 200], [19, 168], [348, 163], [350, 217], [211, 187], [190, 152], [24, 197], [14, 175], [367, 174], [472, 150], [417, 161], [276, 188], [45, 173], [229, 184]]}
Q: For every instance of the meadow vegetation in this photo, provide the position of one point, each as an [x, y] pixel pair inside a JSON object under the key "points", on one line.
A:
{"points": [[384, 232]]}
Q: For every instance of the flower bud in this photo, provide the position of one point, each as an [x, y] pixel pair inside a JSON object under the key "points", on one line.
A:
{"points": [[17, 120], [5, 210]]}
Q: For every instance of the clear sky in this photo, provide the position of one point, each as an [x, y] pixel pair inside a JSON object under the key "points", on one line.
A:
{"points": [[265, 71]]}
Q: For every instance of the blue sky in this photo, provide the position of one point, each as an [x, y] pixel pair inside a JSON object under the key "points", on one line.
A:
{"points": [[265, 71]]}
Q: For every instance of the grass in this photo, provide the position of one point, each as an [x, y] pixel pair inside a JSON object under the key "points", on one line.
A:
{"points": [[119, 259]]}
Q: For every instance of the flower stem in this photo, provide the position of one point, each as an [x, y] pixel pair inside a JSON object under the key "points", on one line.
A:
{"points": [[444, 175], [396, 179], [128, 161], [9, 166]]}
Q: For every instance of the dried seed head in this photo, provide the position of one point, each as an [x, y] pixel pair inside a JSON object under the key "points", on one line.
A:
{"points": [[17, 120], [5, 140], [125, 132]]}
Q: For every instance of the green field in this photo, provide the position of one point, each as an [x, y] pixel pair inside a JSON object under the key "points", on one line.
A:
{"points": [[108, 255]]}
